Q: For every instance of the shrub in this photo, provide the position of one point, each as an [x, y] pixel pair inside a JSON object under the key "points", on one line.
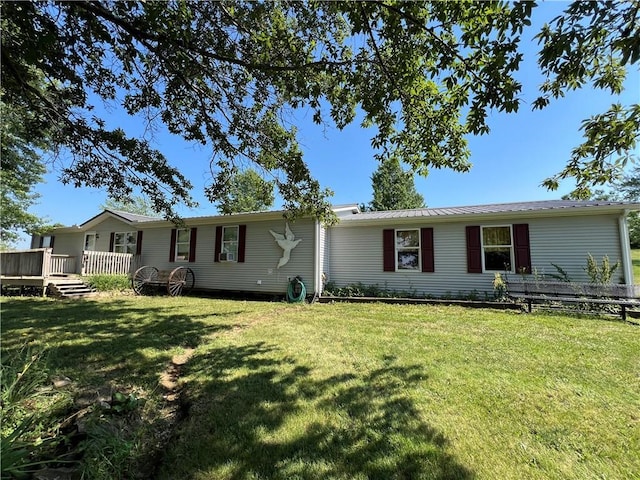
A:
{"points": [[601, 273], [110, 283]]}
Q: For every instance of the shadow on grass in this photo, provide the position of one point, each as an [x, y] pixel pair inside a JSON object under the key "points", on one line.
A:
{"points": [[264, 416], [99, 341]]}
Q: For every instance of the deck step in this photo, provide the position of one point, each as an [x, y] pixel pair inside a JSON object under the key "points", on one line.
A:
{"points": [[70, 289]]}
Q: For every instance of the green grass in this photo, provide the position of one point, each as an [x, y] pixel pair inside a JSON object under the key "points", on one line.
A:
{"points": [[635, 260], [347, 391]]}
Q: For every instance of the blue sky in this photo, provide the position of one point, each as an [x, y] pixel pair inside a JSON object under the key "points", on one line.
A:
{"points": [[509, 163]]}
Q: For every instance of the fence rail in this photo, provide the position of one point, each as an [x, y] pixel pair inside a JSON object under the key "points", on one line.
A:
{"points": [[62, 264], [41, 263], [97, 263]]}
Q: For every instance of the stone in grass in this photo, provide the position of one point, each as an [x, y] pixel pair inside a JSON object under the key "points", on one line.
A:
{"points": [[61, 381]]}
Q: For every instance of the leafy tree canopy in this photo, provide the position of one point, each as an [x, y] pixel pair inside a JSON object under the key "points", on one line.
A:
{"points": [[229, 74], [394, 188], [21, 170], [246, 191], [624, 188], [135, 204]]}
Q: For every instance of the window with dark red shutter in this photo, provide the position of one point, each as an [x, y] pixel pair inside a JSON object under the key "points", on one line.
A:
{"points": [[388, 250], [218, 244], [172, 246], [474, 249], [192, 244], [242, 241], [427, 253], [522, 247]]}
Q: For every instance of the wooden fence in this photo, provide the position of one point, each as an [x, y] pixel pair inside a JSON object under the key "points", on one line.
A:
{"points": [[28, 263]]}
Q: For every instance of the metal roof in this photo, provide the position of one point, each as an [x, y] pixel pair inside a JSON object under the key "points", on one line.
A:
{"points": [[496, 208]]}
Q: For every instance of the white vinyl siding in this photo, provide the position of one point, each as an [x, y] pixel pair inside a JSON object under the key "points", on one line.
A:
{"points": [[261, 257], [356, 253]]}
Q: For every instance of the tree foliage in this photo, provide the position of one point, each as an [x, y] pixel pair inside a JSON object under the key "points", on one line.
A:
{"points": [[22, 169], [135, 204], [247, 191], [394, 188], [231, 75]]}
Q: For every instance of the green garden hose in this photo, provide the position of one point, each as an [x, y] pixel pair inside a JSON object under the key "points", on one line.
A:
{"points": [[296, 285]]}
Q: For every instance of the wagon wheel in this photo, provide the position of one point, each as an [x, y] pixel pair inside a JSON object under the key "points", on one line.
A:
{"points": [[141, 280], [181, 280]]}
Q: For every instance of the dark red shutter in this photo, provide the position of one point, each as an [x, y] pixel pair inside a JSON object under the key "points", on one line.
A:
{"points": [[389, 250], [192, 245], [242, 240], [218, 244], [139, 243], [112, 241], [172, 246], [522, 248], [474, 250], [52, 240], [426, 245]]}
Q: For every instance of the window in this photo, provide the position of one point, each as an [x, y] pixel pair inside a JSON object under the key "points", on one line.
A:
{"points": [[46, 241], [408, 249], [125, 242], [90, 241], [230, 243], [183, 244], [229, 250], [497, 248]]}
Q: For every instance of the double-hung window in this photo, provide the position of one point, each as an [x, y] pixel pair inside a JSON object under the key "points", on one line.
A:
{"points": [[124, 242], [183, 243], [497, 248], [408, 249], [229, 247]]}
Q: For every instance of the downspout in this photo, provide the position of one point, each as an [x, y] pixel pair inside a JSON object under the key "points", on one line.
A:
{"points": [[627, 267], [317, 287]]}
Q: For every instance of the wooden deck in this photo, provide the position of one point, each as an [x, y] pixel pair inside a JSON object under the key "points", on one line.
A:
{"points": [[40, 267]]}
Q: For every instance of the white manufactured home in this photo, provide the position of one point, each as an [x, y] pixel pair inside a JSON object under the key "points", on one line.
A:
{"points": [[432, 251]]}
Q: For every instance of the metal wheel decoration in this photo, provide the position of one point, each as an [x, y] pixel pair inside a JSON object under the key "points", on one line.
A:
{"points": [[181, 280], [144, 279]]}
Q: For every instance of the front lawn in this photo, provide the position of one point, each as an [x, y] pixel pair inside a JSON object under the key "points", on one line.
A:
{"points": [[357, 391]]}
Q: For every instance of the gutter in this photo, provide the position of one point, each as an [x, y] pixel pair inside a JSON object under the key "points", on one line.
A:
{"points": [[625, 248]]}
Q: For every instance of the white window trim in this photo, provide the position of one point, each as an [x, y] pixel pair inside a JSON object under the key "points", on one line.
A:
{"points": [[135, 244], [396, 249], [511, 247], [237, 242], [175, 255]]}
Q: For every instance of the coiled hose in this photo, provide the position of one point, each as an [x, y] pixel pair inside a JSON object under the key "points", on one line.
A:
{"points": [[296, 291]]}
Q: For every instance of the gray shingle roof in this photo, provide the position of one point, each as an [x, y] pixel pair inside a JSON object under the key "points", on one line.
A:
{"points": [[495, 208]]}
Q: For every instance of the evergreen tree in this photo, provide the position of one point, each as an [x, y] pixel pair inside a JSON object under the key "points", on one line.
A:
{"points": [[394, 188]]}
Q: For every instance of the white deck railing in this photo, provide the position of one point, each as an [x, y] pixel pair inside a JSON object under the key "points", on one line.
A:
{"points": [[62, 264], [109, 263]]}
